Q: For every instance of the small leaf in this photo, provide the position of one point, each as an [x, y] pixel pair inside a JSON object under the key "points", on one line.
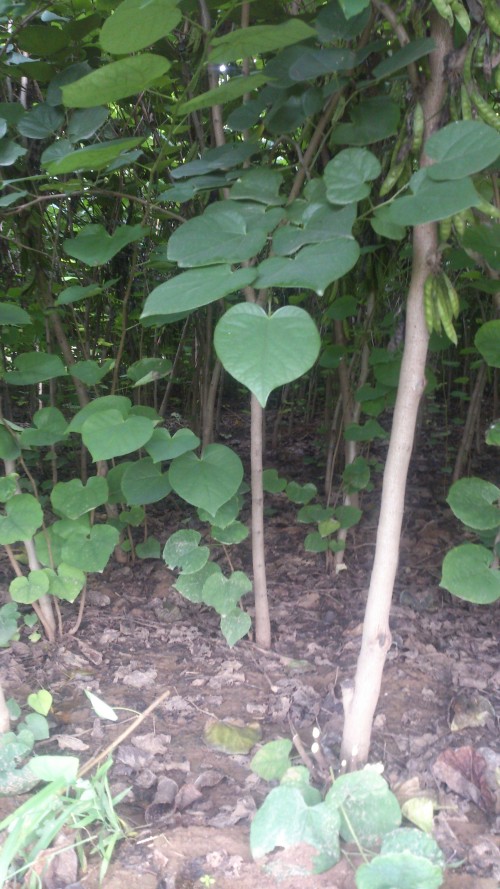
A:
{"points": [[487, 341], [182, 551], [235, 625], [40, 701], [23, 517], [73, 499], [103, 710], [55, 768], [230, 738], [468, 575], [29, 589], [272, 761], [347, 175], [476, 503]]}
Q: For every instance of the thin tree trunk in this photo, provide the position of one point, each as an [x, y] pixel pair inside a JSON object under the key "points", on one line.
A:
{"points": [[360, 698], [262, 620]]}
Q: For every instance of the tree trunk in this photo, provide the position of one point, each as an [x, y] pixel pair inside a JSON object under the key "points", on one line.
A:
{"points": [[360, 698]]}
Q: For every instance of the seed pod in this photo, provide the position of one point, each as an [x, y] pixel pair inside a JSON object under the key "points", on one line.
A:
{"points": [[492, 15], [483, 108]]}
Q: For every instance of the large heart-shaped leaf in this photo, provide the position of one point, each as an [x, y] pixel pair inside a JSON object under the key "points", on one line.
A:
{"points": [[264, 352], [51, 427], [23, 516], [120, 403], [35, 367], [207, 481], [107, 434], [73, 499], [347, 175], [92, 551], [94, 246]]}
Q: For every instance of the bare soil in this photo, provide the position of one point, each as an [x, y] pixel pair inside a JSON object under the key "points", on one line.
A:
{"points": [[190, 806]]}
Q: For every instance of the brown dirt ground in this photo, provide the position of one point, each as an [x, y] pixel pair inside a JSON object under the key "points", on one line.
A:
{"points": [[139, 637]]}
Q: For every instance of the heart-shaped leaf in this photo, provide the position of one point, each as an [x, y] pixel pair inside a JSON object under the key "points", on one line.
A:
{"points": [[107, 434], [92, 551], [72, 499], [224, 593], [182, 551], [50, 428], [163, 446], [23, 517], [143, 482], [28, 589], [40, 701], [94, 246], [207, 481], [67, 583], [264, 352], [235, 625]]}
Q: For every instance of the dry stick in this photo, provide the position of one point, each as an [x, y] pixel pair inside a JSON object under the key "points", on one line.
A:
{"points": [[128, 731]]}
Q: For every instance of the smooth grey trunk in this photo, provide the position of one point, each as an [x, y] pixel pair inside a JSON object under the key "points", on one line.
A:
{"points": [[262, 619], [360, 698]]}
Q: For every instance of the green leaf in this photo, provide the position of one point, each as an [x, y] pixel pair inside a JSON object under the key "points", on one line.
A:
{"points": [[461, 149], [226, 92], [224, 516], [29, 589], [346, 176], [315, 543], [10, 151], [76, 292], [8, 483], [487, 342], [67, 583], [40, 122], [195, 288], [399, 869], [333, 22], [182, 551], [272, 760], [368, 809], [100, 707], [94, 246], [51, 427], [433, 201], [91, 372], [107, 434], [23, 517], [73, 499], [90, 551], [373, 119], [163, 446], [258, 184], [356, 476], [84, 122], [207, 481], [409, 53], [468, 575], [149, 549], [235, 625], [348, 516], [272, 482], [136, 24], [115, 81], [107, 402], [412, 840], [92, 157], [9, 447], [143, 482], [224, 593], [40, 701], [258, 39], [12, 315], [264, 352], [35, 367], [483, 239], [314, 267], [224, 157], [492, 436], [301, 493], [317, 224], [286, 820], [229, 738], [227, 232], [53, 768], [148, 369], [476, 503], [312, 62], [236, 532], [366, 432], [191, 585]]}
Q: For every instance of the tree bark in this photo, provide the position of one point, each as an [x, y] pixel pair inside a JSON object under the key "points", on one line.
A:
{"points": [[360, 699]]}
